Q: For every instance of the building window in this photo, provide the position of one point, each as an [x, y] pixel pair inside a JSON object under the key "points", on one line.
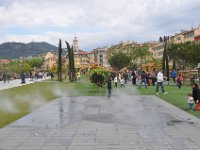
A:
{"points": [[190, 35], [178, 38]]}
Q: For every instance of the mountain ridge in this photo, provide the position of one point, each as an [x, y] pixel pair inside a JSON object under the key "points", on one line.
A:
{"points": [[14, 50]]}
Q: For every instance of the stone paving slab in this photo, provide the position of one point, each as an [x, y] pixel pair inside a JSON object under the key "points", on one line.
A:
{"points": [[94, 123]]}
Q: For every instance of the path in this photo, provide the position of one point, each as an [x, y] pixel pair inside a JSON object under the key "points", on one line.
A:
{"points": [[15, 83]]}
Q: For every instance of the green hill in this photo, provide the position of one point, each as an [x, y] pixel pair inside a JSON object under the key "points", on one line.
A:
{"points": [[13, 50]]}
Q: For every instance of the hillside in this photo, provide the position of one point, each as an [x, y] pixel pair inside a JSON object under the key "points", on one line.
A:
{"points": [[12, 50]]}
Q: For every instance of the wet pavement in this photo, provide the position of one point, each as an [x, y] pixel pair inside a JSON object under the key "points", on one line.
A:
{"points": [[127, 121]]}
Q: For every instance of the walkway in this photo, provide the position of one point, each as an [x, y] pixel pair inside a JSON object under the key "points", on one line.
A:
{"points": [[126, 122], [15, 83]]}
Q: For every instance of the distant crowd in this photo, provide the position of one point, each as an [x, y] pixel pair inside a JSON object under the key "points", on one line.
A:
{"points": [[6, 77], [157, 78]]}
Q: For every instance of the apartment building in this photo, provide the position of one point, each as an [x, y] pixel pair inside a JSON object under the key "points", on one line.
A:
{"points": [[81, 59], [50, 60], [182, 37], [157, 50]]}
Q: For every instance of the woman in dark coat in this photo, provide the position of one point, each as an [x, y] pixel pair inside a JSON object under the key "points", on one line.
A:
{"points": [[195, 92]]}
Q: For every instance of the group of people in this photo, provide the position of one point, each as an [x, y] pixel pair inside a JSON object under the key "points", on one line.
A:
{"points": [[122, 78]]}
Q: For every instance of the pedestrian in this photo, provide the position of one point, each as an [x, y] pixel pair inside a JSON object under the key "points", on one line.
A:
{"points": [[109, 86], [147, 78], [133, 74], [180, 81], [23, 77], [115, 81], [160, 81], [31, 76], [143, 79], [4, 77], [8, 77], [125, 76], [122, 81], [51, 75], [153, 77], [190, 101], [173, 75], [195, 93]]}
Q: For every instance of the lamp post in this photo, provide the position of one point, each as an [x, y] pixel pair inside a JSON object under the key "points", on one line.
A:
{"points": [[165, 64]]}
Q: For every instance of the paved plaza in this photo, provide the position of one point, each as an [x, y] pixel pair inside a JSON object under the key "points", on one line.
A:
{"points": [[94, 123], [127, 121]]}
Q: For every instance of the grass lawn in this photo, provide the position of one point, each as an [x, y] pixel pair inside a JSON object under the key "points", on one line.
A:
{"points": [[19, 101], [175, 96]]}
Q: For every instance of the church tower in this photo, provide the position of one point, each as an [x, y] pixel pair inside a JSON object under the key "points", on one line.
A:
{"points": [[75, 44]]}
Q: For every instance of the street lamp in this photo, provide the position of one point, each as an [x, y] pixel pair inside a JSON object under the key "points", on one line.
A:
{"points": [[165, 64]]}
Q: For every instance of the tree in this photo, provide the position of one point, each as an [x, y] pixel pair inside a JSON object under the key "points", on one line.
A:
{"points": [[72, 72], [143, 54], [36, 63], [60, 61], [99, 76], [119, 60], [172, 51], [16, 67], [184, 55]]}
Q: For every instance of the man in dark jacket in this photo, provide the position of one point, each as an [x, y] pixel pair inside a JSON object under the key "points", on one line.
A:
{"points": [[143, 79], [23, 77]]}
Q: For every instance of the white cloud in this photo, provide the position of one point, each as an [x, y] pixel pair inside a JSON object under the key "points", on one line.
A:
{"points": [[110, 21]]}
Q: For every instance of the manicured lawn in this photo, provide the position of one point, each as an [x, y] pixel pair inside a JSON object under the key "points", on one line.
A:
{"points": [[175, 96], [19, 101]]}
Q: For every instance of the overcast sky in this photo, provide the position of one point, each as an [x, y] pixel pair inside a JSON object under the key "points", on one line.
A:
{"points": [[96, 23]]}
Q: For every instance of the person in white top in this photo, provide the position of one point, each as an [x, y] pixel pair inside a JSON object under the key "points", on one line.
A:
{"points": [[160, 80], [115, 81], [190, 101]]}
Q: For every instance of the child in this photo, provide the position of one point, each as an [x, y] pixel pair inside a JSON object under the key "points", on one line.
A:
{"points": [[122, 82], [190, 100]]}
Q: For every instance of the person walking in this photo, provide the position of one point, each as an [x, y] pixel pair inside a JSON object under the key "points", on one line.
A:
{"points": [[160, 80], [23, 77], [122, 81], [133, 74], [153, 77], [143, 79], [180, 81], [115, 81], [109, 86], [173, 75], [51, 75], [4, 77]]}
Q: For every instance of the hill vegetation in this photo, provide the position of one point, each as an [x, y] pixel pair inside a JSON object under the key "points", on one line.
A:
{"points": [[13, 50]]}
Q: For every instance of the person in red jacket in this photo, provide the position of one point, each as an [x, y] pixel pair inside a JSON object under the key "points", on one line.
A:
{"points": [[180, 81]]}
